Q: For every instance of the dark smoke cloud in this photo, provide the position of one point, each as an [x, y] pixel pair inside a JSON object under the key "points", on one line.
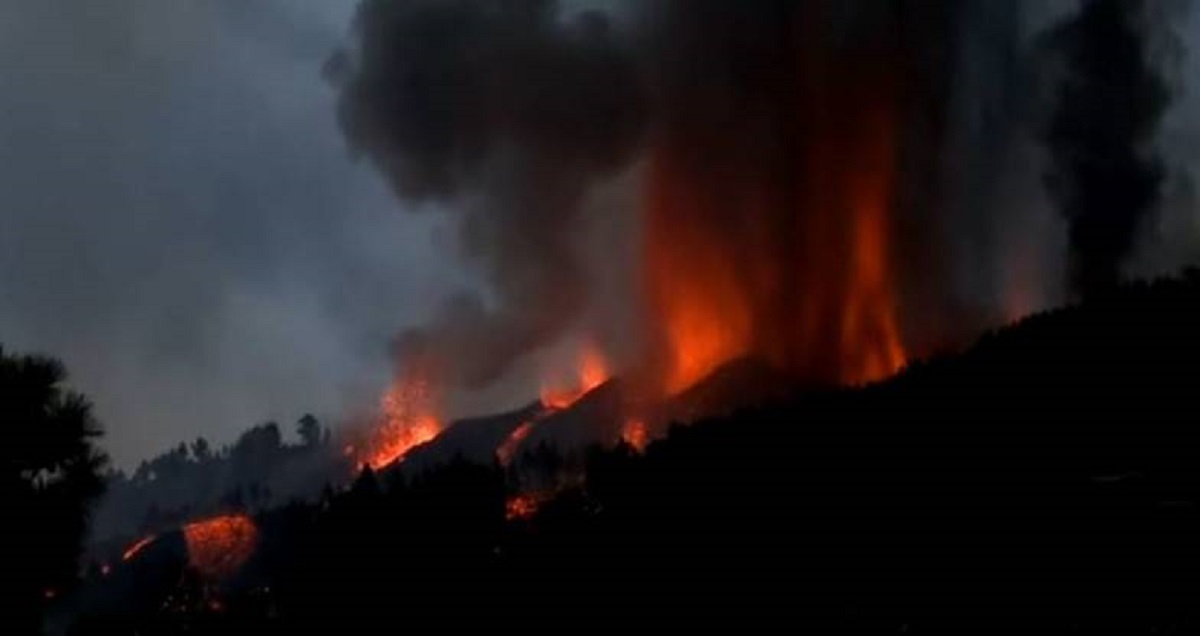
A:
{"points": [[512, 112], [1105, 174]]}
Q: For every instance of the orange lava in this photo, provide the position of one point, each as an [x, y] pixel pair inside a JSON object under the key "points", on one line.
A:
{"points": [[507, 451], [635, 434], [591, 371], [408, 420], [136, 547], [219, 547], [769, 235]]}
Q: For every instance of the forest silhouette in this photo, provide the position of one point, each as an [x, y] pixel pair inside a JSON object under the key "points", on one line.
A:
{"points": [[1044, 480]]}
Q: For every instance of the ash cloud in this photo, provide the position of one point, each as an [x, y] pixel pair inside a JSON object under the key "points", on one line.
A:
{"points": [[1105, 173], [511, 112]]}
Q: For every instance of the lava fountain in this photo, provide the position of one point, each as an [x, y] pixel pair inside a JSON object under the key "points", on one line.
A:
{"points": [[767, 212], [591, 370], [408, 419]]}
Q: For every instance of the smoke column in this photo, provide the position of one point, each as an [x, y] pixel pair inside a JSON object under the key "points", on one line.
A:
{"points": [[1104, 174], [509, 115]]}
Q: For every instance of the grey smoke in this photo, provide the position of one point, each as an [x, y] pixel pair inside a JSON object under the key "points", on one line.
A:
{"points": [[511, 112], [1105, 173]]}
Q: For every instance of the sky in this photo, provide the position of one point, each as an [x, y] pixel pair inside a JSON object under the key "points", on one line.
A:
{"points": [[181, 221]]}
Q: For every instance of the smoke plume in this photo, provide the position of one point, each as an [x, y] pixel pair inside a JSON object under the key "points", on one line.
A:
{"points": [[510, 113], [818, 178], [1104, 173]]}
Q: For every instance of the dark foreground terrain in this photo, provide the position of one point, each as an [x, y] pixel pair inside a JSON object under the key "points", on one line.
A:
{"points": [[1044, 481]]}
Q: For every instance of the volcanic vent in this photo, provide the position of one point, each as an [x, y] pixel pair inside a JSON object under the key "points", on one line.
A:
{"points": [[779, 163]]}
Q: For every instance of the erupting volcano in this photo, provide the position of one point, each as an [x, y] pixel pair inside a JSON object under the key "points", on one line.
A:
{"points": [[591, 371], [772, 173], [408, 419], [767, 216]]}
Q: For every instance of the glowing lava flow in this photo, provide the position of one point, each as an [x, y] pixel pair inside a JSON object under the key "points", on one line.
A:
{"points": [[508, 450], [137, 547], [408, 420], [219, 547]]}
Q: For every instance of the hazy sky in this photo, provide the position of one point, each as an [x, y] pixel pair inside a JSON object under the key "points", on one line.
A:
{"points": [[180, 220], [182, 224]]}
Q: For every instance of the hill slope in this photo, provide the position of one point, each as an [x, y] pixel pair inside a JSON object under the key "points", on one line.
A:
{"points": [[1046, 480]]}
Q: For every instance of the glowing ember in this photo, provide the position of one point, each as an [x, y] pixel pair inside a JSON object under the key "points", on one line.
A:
{"points": [[523, 506], [635, 434], [408, 420], [137, 546], [508, 450], [591, 372], [219, 547]]}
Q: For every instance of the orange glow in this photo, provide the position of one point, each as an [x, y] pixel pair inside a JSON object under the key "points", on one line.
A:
{"points": [[508, 450], [1021, 293], [699, 303], [635, 434], [591, 371], [136, 547], [408, 420], [870, 338], [771, 237], [523, 506], [219, 547]]}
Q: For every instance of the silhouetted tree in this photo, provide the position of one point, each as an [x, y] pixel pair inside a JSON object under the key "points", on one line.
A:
{"points": [[309, 430], [201, 451], [50, 470]]}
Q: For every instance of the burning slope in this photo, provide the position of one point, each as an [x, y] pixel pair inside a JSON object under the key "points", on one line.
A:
{"points": [[408, 419], [218, 547], [591, 371], [508, 450], [767, 216]]}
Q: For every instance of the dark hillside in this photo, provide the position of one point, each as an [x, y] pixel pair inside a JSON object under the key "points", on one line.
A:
{"points": [[1044, 481]]}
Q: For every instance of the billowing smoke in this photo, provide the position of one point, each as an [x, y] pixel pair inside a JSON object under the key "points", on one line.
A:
{"points": [[508, 113], [819, 179], [1105, 174]]}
